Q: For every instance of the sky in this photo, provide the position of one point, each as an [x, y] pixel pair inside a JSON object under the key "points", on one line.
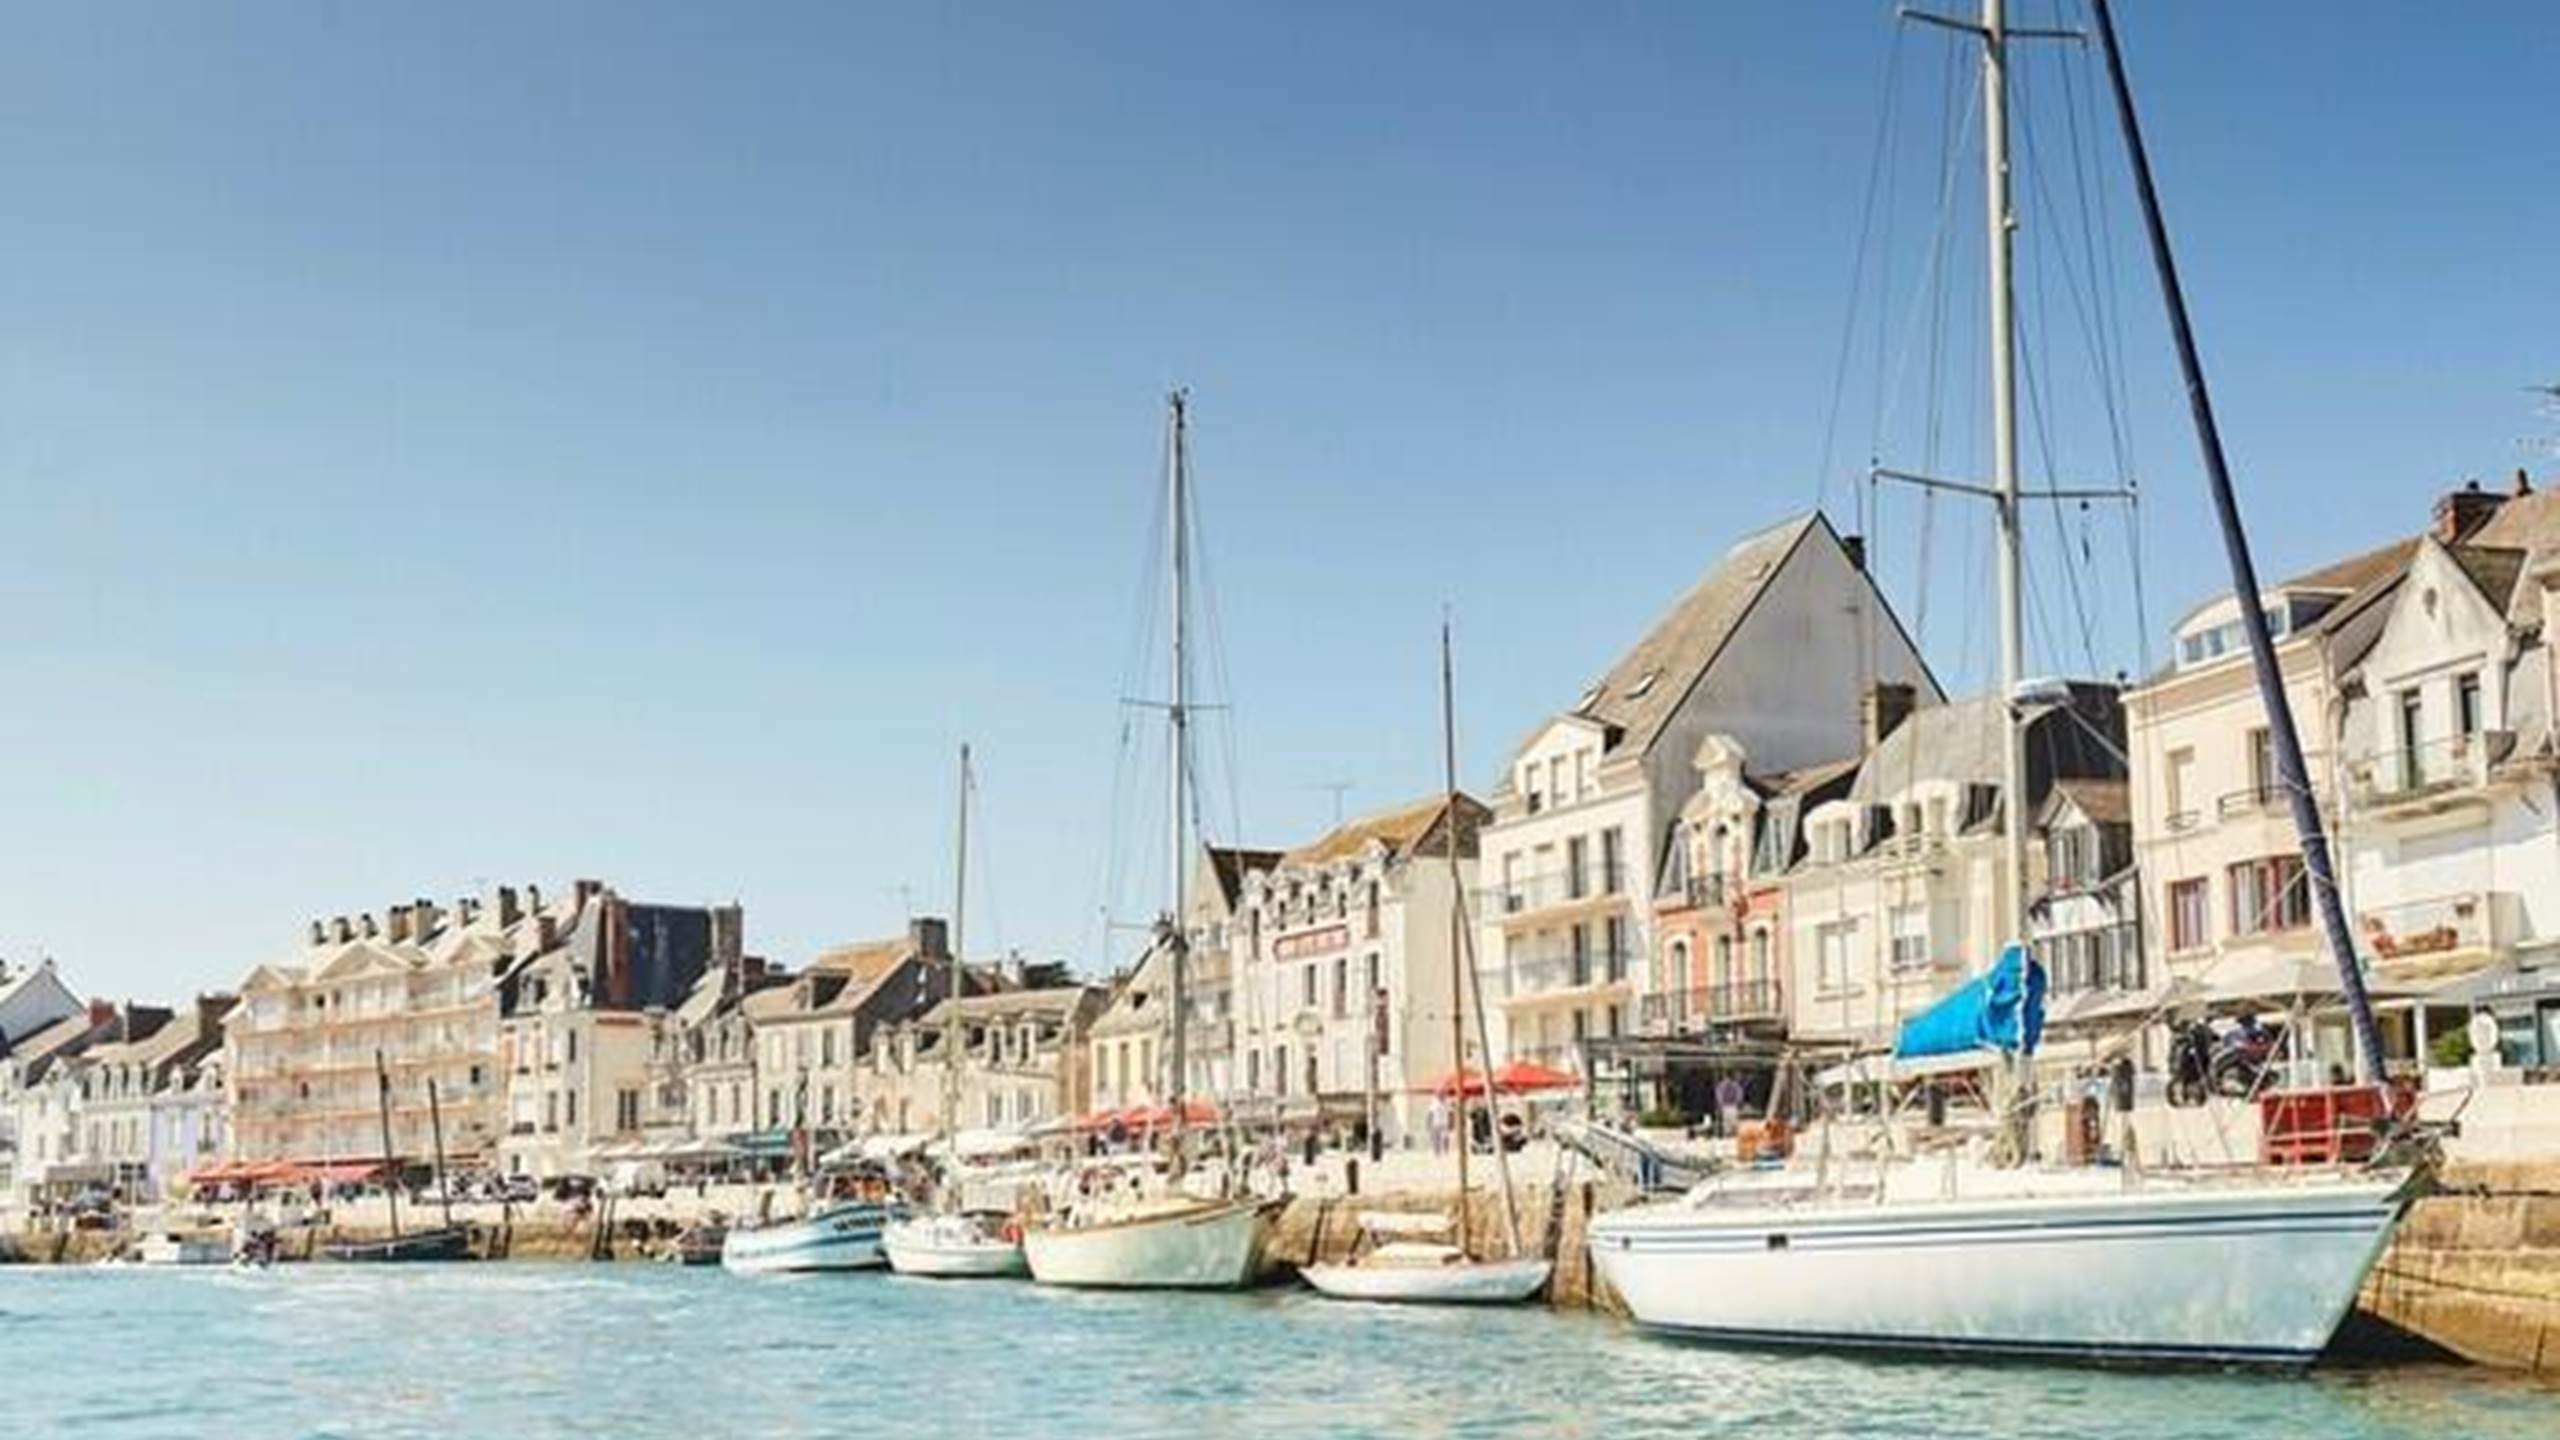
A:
{"points": [[453, 444]]}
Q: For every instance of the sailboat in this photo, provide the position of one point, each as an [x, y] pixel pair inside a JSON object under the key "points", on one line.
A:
{"points": [[1962, 1256], [952, 1244], [1408, 1257], [447, 1241], [1173, 1238]]}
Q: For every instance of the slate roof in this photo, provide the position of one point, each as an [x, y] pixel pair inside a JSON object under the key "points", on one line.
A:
{"points": [[1399, 829], [1639, 695]]}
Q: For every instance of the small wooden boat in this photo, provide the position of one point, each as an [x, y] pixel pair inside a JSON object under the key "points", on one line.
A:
{"points": [[1170, 1242], [1411, 1261], [445, 1242], [839, 1235], [699, 1244], [955, 1247]]}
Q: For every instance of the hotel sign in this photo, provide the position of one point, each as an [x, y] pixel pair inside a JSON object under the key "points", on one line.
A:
{"points": [[1311, 942]]}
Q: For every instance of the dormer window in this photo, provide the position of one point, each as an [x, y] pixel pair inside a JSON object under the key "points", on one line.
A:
{"points": [[1643, 685]]}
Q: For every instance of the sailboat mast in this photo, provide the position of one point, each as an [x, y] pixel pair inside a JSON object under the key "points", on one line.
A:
{"points": [[1178, 716], [2291, 770], [2001, 222], [1457, 938], [1465, 958], [390, 1178], [959, 968], [444, 1185]]}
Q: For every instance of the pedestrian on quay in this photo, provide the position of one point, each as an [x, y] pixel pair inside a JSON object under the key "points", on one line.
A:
{"points": [[1729, 1105], [1439, 1123]]}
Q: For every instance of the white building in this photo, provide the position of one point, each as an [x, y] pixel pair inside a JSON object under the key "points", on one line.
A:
{"points": [[1342, 955], [32, 999], [1775, 647], [2450, 830], [150, 1109]]}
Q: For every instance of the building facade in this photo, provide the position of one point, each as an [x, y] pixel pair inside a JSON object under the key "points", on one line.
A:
{"points": [[1023, 1057], [1774, 649], [1344, 954]]}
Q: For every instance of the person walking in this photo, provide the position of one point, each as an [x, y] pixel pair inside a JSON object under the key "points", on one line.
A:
{"points": [[1729, 1105], [1439, 1123]]}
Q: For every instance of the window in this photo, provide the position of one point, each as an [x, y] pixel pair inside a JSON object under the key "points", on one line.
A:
{"points": [[1555, 780], [1760, 955], [1307, 987], [2187, 912], [1369, 926], [1616, 958], [626, 1110], [2412, 714], [1252, 1071], [1910, 936], [569, 1110], [1341, 987], [2070, 857], [2181, 785], [827, 1047], [1723, 973], [1581, 954], [1613, 877], [572, 1039], [1831, 955], [1312, 1086], [2466, 705], [1581, 773], [1576, 851], [1280, 1068], [2262, 764], [2268, 895]]}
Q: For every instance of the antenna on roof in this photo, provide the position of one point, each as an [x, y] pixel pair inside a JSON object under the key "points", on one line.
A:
{"points": [[1338, 788]]}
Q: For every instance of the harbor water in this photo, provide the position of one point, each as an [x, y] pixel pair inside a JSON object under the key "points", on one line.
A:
{"points": [[539, 1350]]}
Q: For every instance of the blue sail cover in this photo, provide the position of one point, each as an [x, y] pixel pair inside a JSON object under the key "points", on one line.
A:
{"points": [[1988, 1012]]}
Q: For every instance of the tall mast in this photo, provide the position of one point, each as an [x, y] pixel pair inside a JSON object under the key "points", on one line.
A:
{"points": [[1463, 956], [390, 1176], [444, 1185], [2291, 770], [959, 967], [1457, 938], [1178, 716], [2001, 222]]}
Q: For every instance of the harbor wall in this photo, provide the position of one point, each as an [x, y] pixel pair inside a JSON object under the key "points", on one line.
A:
{"points": [[2475, 1267]]}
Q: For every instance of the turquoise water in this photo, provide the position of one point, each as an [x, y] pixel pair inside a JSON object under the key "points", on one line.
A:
{"points": [[465, 1352]]}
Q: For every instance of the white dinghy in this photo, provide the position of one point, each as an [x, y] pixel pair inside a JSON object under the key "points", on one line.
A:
{"points": [[955, 1247], [1411, 1261]]}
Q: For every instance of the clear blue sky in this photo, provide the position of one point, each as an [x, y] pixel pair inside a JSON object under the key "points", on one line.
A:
{"points": [[483, 441]]}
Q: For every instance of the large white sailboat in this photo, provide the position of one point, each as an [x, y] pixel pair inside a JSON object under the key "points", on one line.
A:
{"points": [[1961, 1252], [1161, 1232]]}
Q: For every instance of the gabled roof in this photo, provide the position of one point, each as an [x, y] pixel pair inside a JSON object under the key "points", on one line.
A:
{"points": [[1639, 695], [1230, 864], [863, 960], [2105, 802], [1399, 830]]}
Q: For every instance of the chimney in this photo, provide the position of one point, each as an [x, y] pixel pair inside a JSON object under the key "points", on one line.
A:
{"points": [[341, 931], [2524, 485], [545, 932], [1856, 545], [929, 937], [370, 929], [101, 1012], [395, 924], [532, 899], [2459, 512], [582, 891], [319, 933], [1883, 709], [423, 919], [466, 909], [613, 937]]}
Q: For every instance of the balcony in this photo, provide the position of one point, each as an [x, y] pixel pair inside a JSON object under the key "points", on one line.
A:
{"points": [[2444, 935], [1734, 1002], [2428, 775], [2256, 800], [1547, 896], [1542, 970]]}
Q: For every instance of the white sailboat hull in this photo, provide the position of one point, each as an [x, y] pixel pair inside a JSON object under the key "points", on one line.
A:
{"points": [[183, 1250], [1474, 1282], [950, 1252], [2249, 1274], [836, 1237], [1186, 1245]]}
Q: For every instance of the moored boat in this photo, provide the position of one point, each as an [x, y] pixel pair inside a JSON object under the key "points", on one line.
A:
{"points": [[2081, 1264], [176, 1247], [1173, 1242], [954, 1247], [445, 1242], [1412, 1262], [839, 1235]]}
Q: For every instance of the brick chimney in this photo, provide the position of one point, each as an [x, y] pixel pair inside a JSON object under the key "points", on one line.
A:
{"points": [[395, 924], [582, 891], [508, 913], [319, 932], [1856, 546], [1882, 710], [929, 937], [613, 940], [101, 1012], [423, 919], [371, 930], [340, 930], [2459, 512]]}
